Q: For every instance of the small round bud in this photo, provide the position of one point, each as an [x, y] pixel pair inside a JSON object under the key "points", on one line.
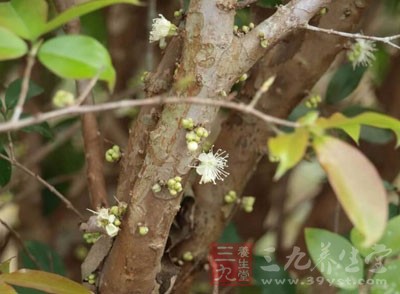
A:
{"points": [[177, 13], [191, 136], [171, 182], [143, 230], [91, 277], [178, 179], [173, 192], [243, 77], [251, 26], [192, 146], [235, 28], [114, 210], [261, 35], [264, 43], [248, 203], [63, 99], [117, 222], [109, 157], [178, 187], [116, 148], [245, 29], [188, 123], [144, 76], [156, 188], [223, 93], [187, 256]]}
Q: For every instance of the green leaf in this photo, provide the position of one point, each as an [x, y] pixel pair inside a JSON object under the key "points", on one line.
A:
{"points": [[390, 239], [336, 259], [77, 57], [42, 128], [27, 19], [343, 83], [388, 281], [47, 258], [11, 46], [7, 289], [81, 9], [269, 280], [352, 125], [5, 171], [338, 120], [13, 90], [289, 149], [357, 186], [44, 281]]}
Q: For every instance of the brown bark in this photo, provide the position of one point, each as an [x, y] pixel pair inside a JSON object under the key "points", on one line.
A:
{"points": [[208, 52], [244, 138]]}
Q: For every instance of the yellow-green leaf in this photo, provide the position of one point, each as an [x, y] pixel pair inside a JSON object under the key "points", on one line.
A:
{"points": [[77, 57], [81, 9], [11, 46], [338, 120], [25, 18], [357, 185], [352, 125], [7, 289], [289, 149], [43, 281]]}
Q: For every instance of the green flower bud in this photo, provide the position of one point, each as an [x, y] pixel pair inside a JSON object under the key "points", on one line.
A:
{"points": [[251, 26], [243, 77], [178, 179], [264, 43], [117, 222], [63, 99], [245, 29], [178, 187], [143, 230], [173, 192], [187, 256], [114, 210], [191, 136], [156, 188], [187, 123], [171, 183], [248, 203]]}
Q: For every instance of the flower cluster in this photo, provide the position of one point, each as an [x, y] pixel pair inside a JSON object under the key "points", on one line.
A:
{"points": [[313, 101], [362, 53], [194, 135], [248, 203], [110, 218], [211, 166], [91, 279], [243, 30], [63, 99], [161, 29], [230, 197], [113, 154], [174, 185]]}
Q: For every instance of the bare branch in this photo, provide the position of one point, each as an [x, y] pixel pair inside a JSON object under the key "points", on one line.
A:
{"points": [[46, 184], [387, 40], [17, 237], [75, 110], [25, 87]]}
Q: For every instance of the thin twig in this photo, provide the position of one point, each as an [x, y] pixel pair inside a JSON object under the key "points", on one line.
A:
{"points": [[387, 40], [21, 243], [75, 110], [263, 89], [85, 93], [24, 88], [46, 184]]}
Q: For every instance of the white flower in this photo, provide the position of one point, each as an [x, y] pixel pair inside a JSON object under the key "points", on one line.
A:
{"points": [[362, 53], [211, 166], [161, 29], [112, 230]]}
